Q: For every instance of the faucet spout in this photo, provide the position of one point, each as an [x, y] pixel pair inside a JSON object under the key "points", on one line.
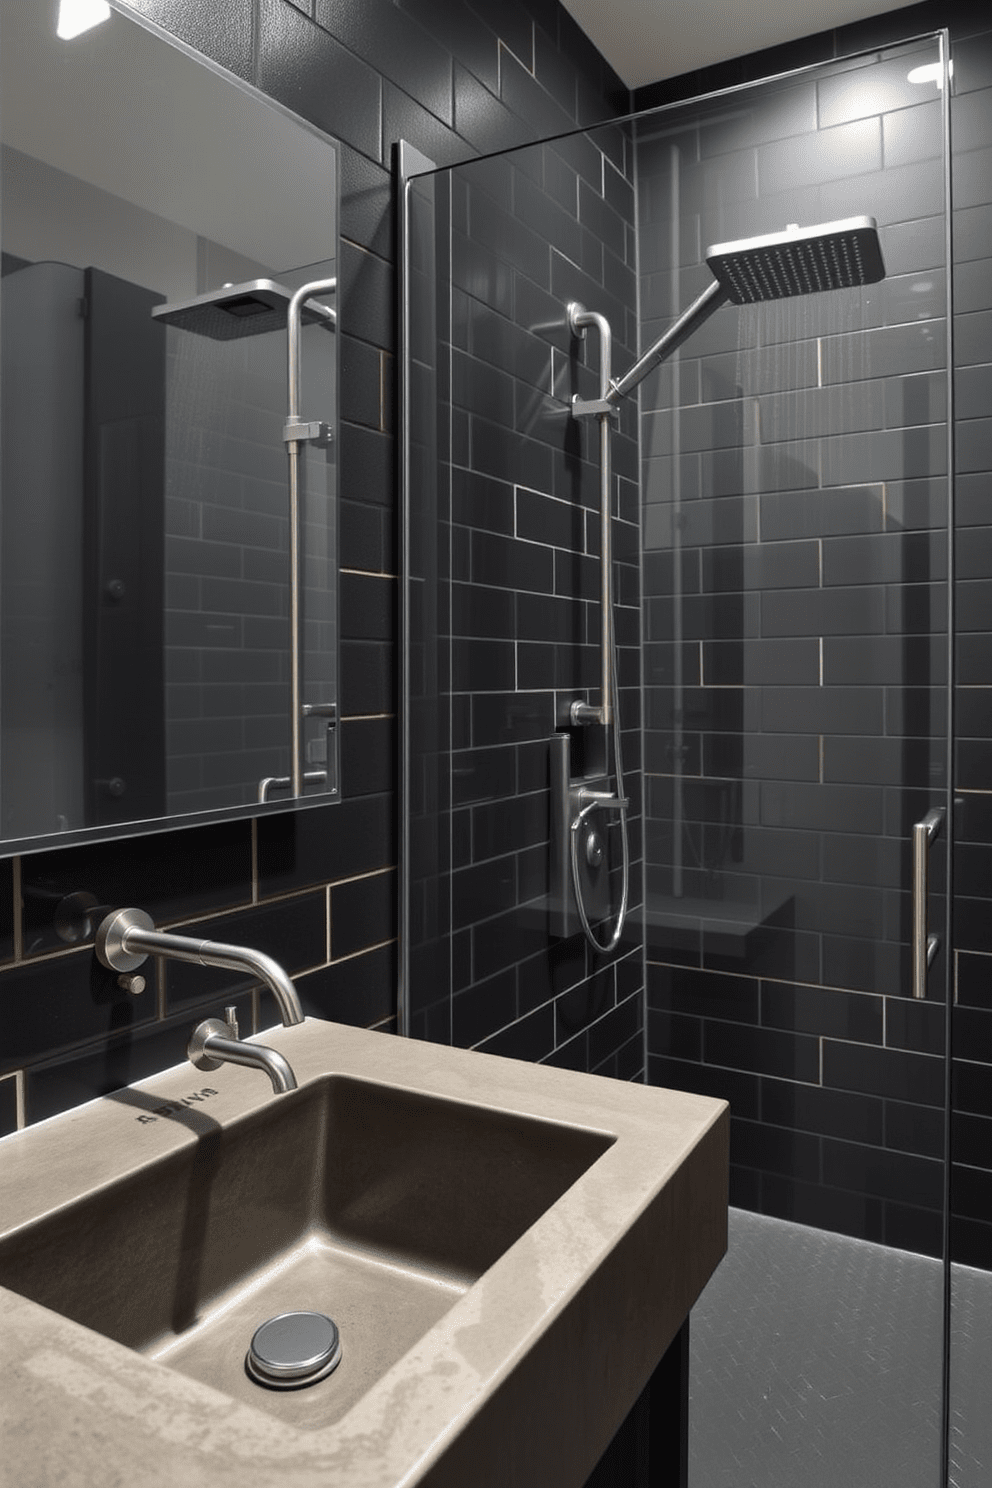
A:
{"points": [[213, 1043], [127, 936]]}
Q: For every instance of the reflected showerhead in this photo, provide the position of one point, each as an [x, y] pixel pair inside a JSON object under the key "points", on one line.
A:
{"points": [[799, 261], [240, 310]]}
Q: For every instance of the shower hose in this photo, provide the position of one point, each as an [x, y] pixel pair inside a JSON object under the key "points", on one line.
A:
{"points": [[578, 821]]}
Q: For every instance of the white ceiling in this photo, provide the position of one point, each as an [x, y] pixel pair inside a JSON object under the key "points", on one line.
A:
{"points": [[646, 40]]}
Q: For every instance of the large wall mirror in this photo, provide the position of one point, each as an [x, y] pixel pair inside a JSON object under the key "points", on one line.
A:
{"points": [[157, 664]]}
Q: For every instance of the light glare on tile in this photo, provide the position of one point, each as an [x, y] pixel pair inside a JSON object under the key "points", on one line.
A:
{"points": [[933, 72], [77, 16]]}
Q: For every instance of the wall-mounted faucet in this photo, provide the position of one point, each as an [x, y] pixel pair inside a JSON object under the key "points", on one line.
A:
{"points": [[127, 937]]}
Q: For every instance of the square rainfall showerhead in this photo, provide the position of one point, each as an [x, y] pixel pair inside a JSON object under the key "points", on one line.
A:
{"points": [[238, 310], [799, 261]]}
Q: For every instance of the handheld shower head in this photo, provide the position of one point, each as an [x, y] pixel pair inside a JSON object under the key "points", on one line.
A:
{"points": [[799, 261]]}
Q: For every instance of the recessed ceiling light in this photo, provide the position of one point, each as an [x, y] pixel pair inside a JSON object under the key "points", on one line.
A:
{"points": [[933, 72], [77, 16]]}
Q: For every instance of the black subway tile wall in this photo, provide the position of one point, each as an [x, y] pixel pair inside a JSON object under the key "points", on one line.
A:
{"points": [[876, 640], [317, 888], [778, 756], [515, 634]]}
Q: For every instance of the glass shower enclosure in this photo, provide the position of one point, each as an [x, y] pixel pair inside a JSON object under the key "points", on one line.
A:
{"points": [[783, 567]]}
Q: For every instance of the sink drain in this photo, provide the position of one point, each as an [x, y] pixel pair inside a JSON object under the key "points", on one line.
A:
{"points": [[293, 1350]]}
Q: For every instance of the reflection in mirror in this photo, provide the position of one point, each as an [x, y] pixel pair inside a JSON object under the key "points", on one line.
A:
{"points": [[157, 218]]}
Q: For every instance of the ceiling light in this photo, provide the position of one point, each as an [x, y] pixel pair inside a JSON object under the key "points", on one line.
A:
{"points": [[933, 72], [77, 16]]}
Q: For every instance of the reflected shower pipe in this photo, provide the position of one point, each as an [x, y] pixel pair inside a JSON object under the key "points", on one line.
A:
{"points": [[296, 434], [781, 265]]}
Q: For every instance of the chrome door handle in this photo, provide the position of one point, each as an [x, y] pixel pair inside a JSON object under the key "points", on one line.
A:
{"points": [[924, 945]]}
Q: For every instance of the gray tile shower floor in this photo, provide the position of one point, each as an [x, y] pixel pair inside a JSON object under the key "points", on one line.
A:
{"points": [[815, 1363]]}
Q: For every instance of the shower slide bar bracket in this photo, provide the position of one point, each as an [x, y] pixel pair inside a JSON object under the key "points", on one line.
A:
{"points": [[315, 432]]}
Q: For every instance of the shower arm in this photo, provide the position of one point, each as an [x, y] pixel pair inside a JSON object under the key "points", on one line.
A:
{"points": [[712, 297], [296, 434]]}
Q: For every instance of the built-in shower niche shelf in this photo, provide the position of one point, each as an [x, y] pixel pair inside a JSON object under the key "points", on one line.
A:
{"points": [[731, 928]]}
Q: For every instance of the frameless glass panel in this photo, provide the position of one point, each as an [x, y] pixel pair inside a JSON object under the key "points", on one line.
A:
{"points": [[795, 488]]}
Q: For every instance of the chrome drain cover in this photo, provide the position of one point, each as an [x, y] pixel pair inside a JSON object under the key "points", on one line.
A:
{"points": [[293, 1349]]}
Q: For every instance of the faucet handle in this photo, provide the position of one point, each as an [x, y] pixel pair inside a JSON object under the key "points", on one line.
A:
{"points": [[231, 1019]]}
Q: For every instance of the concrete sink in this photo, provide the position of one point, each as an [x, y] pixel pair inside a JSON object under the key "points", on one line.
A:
{"points": [[506, 1249]]}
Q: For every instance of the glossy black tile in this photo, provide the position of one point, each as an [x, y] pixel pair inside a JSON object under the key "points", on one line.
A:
{"points": [[359, 991], [830, 1113], [325, 843], [530, 1037], [368, 756], [366, 202], [823, 1011], [293, 931], [8, 1106], [170, 874], [614, 1029], [885, 1174], [60, 1084], [674, 1036], [223, 34], [772, 1149], [973, 981], [703, 994], [395, 46], [762, 1051], [483, 1009], [887, 1072], [914, 1128], [740, 1088], [315, 76], [367, 607], [363, 913]]}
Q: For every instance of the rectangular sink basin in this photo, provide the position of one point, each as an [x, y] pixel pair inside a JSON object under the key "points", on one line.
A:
{"points": [[376, 1206], [507, 1250]]}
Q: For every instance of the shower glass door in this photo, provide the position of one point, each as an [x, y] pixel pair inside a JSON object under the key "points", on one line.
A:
{"points": [[796, 507]]}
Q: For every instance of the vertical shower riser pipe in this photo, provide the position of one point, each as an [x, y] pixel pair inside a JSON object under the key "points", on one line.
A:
{"points": [[294, 328], [579, 319]]}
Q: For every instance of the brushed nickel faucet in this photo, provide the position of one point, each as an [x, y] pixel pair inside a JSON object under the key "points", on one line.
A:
{"points": [[127, 937]]}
